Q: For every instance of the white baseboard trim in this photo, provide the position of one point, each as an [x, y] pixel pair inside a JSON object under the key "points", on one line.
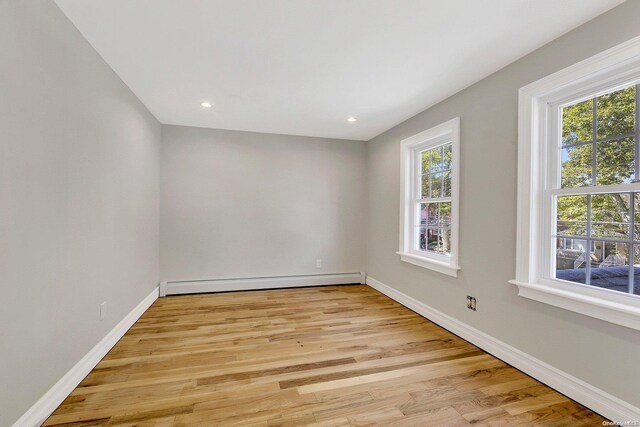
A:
{"points": [[40, 411], [253, 283], [597, 400]]}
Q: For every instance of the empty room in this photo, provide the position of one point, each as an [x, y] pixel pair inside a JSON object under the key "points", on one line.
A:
{"points": [[325, 213]]}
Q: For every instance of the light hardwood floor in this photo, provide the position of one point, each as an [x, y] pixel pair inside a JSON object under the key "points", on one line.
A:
{"points": [[326, 356]]}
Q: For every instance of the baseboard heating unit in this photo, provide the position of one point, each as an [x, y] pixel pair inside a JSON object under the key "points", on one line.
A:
{"points": [[179, 287]]}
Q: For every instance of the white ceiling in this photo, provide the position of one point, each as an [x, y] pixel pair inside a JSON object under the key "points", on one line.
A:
{"points": [[302, 67]]}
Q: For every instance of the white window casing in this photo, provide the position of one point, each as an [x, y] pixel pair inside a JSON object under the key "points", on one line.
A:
{"points": [[411, 150], [537, 179]]}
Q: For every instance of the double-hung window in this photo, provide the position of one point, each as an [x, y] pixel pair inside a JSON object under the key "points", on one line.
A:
{"points": [[579, 188], [429, 205], [597, 232]]}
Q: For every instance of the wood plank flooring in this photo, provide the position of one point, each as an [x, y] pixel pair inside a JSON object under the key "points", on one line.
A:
{"points": [[326, 356]]}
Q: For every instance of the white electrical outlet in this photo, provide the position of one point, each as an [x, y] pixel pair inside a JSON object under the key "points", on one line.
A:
{"points": [[318, 263], [103, 310]]}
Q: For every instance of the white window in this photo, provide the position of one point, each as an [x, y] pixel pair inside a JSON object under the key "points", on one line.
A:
{"points": [[429, 198], [579, 190]]}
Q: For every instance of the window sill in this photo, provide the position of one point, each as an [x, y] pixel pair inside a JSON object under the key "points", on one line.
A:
{"points": [[431, 264], [620, 309]]}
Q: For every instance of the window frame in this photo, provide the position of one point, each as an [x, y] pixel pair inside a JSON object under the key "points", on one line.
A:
{"points": [[410, 176], [537, 124], [554, 179]]}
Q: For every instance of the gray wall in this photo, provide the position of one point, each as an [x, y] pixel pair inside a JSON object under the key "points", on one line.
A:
{"points": [[243, 204], [79, 178], [600, 353]]}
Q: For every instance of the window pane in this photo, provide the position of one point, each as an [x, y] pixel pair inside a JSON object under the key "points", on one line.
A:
{"points": [[426, 162], [422, 239], [425, 187], [436, 159], [576, 166], [435, 214], [436, 185], [444, 214], [435, 180], [571, 257], [636, 231], [434, 240], [446, 241], [429, 214], [616, 112], [572, 215], [434, 230], [446, 184], [422, 213], [610, 267], [447, 159], [610, 215], [439, 240], [636, 269], [615, 161], [577, 122]]}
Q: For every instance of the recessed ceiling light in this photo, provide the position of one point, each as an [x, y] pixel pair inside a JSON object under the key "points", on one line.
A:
{"points": [[205, 104], [352, 119]]}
